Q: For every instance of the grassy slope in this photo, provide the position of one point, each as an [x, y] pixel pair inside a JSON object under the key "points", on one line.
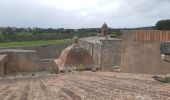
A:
{"points": [[31, 43]]}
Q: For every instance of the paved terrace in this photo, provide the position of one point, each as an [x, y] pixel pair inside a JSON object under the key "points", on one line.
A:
{"points": [[84, 86], [96, 39]]}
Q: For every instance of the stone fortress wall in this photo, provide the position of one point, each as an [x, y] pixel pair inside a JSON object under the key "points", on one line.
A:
{"points": [[32, 58], [137, 52], [94, 49], [141, 52], [106, 53], [111, 54], [49, 51], [21, 60]]}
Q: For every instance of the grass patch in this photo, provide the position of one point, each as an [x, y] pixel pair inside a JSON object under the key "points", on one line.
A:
{"points": [[33, 43]]}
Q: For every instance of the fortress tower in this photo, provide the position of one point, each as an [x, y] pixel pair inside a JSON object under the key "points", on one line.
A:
{"points": [[104, 30]]}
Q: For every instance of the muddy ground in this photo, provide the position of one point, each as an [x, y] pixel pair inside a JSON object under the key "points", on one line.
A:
{"points": [[84, 86]]}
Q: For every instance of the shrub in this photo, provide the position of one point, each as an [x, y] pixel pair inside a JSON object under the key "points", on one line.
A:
{"points": [[80, 67]]}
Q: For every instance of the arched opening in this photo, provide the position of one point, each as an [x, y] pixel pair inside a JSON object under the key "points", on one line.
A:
{"points": [[105, 32]]}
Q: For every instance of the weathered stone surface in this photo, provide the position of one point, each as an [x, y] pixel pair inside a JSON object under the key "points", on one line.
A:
{"points": [[106, 54], [3, 64], [31, 58], [50, 51], [74, 56], [111, 54], [142, 54], [49, 65], [21, 60]]}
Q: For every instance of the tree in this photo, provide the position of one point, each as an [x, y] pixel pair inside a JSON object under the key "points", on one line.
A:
{"points": [[9, 33], [163, 25]]}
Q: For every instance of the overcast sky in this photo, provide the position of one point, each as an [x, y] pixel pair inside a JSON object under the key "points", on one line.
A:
{"points": [[82, 13]]}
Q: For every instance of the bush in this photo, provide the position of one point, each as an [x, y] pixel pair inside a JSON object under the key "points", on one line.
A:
{"points": [[163, 25], [80, 67]]}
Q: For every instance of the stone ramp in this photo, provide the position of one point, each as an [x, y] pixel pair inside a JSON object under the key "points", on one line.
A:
{"points": [[85, 86]]}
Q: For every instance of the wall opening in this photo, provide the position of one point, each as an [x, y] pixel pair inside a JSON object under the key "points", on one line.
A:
{"points": [[5, 68], [105, 32]]}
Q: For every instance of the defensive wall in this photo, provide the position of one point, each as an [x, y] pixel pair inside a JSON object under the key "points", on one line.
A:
{"points": [[49, 51], [21, 60], [141, 52], [31, 58], [106, 53], [137, 52]]}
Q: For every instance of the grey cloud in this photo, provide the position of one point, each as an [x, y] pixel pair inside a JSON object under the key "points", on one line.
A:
{"points": [[138, 13], [129, 13]]}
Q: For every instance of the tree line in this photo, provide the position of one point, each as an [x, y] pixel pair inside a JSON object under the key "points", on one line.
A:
{"points": [[30, 34], [163, 25]]}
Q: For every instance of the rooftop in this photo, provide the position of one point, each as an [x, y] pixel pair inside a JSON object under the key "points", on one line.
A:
{"points": [[96, 39], [104, 25]]}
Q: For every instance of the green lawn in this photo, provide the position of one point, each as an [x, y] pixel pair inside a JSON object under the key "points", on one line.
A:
{"points": [[32, 43]]}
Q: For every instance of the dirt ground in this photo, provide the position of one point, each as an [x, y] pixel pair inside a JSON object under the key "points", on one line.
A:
{"points": [[85, 86]]}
